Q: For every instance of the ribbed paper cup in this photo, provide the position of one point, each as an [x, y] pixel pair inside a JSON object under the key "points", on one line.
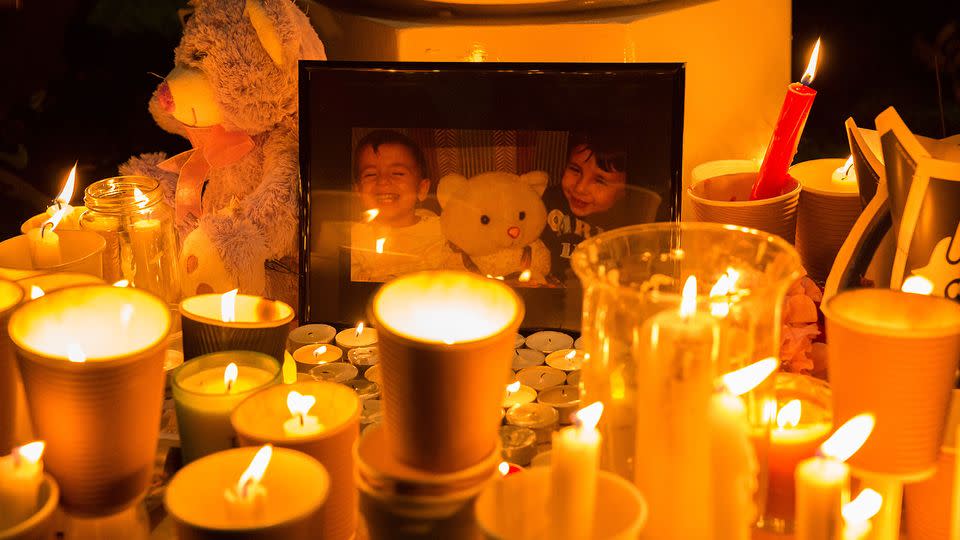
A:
{"points": [[261, 325], [720, 193], [893, 354], [928, 503], [11, 399], [99, 417], [446, 347], [81, 251], [260, 418]]}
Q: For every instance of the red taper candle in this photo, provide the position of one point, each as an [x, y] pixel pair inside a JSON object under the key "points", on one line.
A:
{"points": [[772, 178]]}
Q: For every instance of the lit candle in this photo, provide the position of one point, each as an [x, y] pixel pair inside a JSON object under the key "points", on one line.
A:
{"points": [[361, 336], [71, 217], [822, 482], [146, 242], [541, 377], [21, 474], [302, 423], [845, 176], [772, 178], [249, 494], [734, 462], [857, 513], [567, 359], [518, 394], [234, 321], [573, 476], [311, 356], [44, 242], [208, 388], [676, 367]]}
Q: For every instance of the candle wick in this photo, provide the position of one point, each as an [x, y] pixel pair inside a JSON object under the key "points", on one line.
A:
{"points": [[301, 419], [229, 386], [245, 489], [59, 204], [43, 229]]}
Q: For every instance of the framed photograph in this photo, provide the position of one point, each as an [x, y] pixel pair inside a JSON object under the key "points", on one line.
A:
{"points": [[499, 169]]}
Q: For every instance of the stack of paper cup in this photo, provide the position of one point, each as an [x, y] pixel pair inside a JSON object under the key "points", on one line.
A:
{"points": [[829, 206], [929, 503], [895, 355], [720, 193]]}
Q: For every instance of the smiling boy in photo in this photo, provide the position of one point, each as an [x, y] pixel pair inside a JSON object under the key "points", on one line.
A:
{"points": [[390, 177]]}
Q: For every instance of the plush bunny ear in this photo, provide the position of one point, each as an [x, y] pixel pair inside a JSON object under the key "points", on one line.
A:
{"points": [[448, 186], [266, 30], [537, 180]]}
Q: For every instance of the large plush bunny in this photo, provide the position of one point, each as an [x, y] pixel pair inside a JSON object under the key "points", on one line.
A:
{"points": [[233, 94]]}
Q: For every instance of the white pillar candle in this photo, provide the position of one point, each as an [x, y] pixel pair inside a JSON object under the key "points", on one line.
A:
{"points": [[44, 242], [21, 474], [573, 476]]}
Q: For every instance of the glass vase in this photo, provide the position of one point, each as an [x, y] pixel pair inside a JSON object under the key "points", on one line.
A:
{"points": [[651, 382]]}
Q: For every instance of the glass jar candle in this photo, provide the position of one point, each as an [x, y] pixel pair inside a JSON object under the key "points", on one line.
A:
{"points": [[130, 215]]}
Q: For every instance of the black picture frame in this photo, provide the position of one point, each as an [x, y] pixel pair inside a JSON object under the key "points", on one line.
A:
{"points": [[644, 101]]}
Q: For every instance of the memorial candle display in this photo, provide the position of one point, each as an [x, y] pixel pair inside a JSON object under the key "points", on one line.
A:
{"points": [[823, 482], [21, 474], [772, 178], [234, 322], [573, 478]]}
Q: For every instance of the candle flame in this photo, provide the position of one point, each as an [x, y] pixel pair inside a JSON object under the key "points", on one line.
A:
{"points": [[139, 198], [917, 284], [75, 353], [230, 375], [504, 468], [587, 417], [54, 220], [722, 288], [789, 415], [228, 306], [843, 171], [811, 71], [371, 214], [359, 328], [68, 187], [31, 452], [513, 387], [747, 378], [299, 404], [848, 438], [319, 351], [524, 276], [688, 301], [570, 355], [866, 505], [35, 292], [258, 466], [121, 283], [380, 242]]}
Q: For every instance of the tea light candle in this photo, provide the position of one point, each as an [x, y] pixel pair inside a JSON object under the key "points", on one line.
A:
{"points": [[541, 377], [208, 388], [232, 321], [338, 372], [573, 476], [518, 444], [311, 356], [518, 341], [364, 358], [578, 343], [372, 413], [21, 474], [361, 336], [330, 427], [365, 389], [548, 341], [524, 358], [232, 494], [92, 358], [567, 359], [542, 419], [310, 334], [565, 399], [374, 374], [12, 403], [822, 482], [573, 378], [517, 394]]}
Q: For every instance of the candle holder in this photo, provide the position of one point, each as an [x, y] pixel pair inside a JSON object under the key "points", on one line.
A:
{"points": [[632, 280], [513, 507], [258, 324], [204, 404], [40, 525], [444, 334], [295, 488], [91, 358], [829, 206], [80, 251], [929, 503], [12, 404], [260, 419], [128, 212], [720, 193]]}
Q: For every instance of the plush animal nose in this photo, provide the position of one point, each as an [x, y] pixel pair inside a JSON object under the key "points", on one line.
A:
{"points": [[165, 98], [514, 232]]}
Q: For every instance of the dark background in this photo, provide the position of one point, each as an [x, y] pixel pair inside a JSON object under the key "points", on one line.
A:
{"points": [[77, 79]]}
